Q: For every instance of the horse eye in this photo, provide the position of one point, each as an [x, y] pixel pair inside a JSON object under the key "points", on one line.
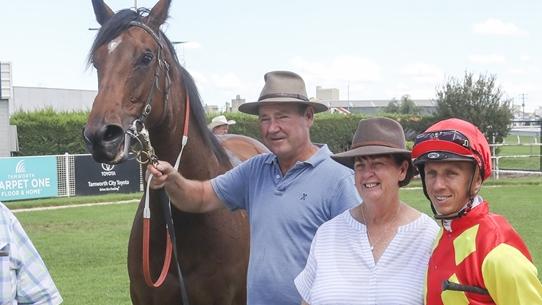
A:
{"points": [[147, 58]]}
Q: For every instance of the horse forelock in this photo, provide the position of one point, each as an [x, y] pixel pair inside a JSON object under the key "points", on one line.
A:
{"points": [[117, 24], [121, 22]]}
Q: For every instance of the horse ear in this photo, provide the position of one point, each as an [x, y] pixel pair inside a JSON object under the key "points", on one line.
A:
{"points": [[102, 11], [158, 14]]}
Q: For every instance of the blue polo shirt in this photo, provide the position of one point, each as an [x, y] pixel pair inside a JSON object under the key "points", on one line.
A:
{"points": [[284, 213]]}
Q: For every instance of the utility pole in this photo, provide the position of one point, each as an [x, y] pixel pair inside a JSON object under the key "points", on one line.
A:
{"points": [[348, 95], [523, 105]]}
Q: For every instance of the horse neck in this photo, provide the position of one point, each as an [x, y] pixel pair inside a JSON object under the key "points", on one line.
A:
{"points": [[198, 161]]}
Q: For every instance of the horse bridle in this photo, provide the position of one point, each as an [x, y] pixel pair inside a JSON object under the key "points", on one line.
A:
{"points": [[146, 155], [137, 130]]}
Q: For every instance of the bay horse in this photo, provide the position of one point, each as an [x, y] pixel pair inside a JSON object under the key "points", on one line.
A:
{"points": [[142, 85]]}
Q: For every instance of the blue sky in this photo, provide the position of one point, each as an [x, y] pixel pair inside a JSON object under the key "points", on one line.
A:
{"points": [[366, 49]]}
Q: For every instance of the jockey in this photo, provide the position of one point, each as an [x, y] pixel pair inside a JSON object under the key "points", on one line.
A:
{"points": [[478, 258]]}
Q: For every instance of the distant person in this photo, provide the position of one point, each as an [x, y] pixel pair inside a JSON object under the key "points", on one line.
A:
{"points": [[376, 252], [478, 258], [24, 279], [219, 125], [287, 193]]}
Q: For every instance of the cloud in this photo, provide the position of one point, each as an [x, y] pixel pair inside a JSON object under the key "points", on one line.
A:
{"points": [[486, 59], [525, 57], [191, 45], [497, 27], [340, 69], [350, 74], [422, 73], [219, 88]]}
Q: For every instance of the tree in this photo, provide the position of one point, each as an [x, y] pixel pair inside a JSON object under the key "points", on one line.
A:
{"points": [[393, 106], [479, 101], [408, 106], [405, 106]]}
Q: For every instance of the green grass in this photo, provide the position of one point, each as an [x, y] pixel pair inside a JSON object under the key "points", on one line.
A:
{"points": [[531, 163], [85, 248]]}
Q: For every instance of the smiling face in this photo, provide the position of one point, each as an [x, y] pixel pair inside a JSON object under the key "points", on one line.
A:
{"points": [[377, 177], [447, 184], [285, 131]]}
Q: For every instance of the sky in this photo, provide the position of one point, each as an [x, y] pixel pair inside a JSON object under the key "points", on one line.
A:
{"points": [[366, 49]]}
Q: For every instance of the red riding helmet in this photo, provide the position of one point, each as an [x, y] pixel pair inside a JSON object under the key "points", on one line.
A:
{"points": [[453, 140]]}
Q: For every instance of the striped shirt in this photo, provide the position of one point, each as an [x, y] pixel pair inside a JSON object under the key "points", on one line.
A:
{"points": [[341, 268], [24, 279]]}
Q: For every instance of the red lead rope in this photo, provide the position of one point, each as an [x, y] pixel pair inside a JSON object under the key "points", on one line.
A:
{"points": [[146, 266], [147, 220]]}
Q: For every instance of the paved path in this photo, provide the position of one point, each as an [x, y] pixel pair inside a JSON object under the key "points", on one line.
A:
{"points": [[73, 206]]}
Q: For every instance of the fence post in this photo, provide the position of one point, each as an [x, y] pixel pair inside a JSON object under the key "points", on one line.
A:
{"points": [[540, 124], [494, 157], [67, 167]]}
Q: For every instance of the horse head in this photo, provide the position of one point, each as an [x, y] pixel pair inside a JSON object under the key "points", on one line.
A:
{"points": [[129, 54]]}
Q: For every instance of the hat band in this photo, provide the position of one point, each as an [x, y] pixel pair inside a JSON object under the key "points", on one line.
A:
{"points": [[292, 95], [376, 143]]}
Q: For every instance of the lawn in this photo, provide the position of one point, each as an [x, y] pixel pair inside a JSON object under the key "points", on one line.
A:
{"points": [[85, 250], [85, 247], [516, 146]]}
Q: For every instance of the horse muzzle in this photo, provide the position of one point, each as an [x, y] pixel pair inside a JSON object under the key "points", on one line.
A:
{"points": [[107, 144]]}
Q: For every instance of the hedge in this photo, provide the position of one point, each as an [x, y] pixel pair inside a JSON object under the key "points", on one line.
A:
{"points": [[46, 132]]}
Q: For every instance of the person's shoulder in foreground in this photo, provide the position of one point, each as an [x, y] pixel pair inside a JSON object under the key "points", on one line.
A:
{"points": [[24, 279]]}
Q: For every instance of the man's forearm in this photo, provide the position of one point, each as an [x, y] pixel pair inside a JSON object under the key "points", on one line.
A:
{"points": [[192, 196]]}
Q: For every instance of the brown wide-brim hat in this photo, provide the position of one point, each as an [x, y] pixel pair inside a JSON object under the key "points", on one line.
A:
{"points": [[282, 87], [375, 136]]}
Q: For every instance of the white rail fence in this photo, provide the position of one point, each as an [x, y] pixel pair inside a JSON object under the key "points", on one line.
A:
{"points": [[536, 148]]}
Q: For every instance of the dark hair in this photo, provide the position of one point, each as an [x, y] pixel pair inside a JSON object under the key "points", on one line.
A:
{"points": [[411, 171], [302, 108], [398, 159]]}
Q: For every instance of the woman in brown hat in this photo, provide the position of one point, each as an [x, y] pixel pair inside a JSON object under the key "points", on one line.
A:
{"points": [[376, 252]]}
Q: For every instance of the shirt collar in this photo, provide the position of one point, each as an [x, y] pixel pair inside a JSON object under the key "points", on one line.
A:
{"points": [[321, 154], [447, 223]]}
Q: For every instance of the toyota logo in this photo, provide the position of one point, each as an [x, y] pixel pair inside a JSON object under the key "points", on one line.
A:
{"points": [[107, 167]]}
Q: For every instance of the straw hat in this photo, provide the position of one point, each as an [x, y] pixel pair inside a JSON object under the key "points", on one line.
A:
{"points": [[282, 87], [219, 120]]}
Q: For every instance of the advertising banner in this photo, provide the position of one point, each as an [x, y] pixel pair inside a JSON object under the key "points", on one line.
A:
{"points": [[92, 178], [28, 177]]}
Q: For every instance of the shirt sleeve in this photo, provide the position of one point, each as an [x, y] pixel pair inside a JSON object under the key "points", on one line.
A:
{"points": [[232, 186], [344, 196], [305, 279], [34, 284], [510, 277]]}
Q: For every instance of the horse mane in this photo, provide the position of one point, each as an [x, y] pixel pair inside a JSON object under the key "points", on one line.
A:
{"points": [[121, 22]]}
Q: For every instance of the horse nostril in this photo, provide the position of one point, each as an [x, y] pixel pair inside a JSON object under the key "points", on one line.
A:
{"points": [[112, 133]]}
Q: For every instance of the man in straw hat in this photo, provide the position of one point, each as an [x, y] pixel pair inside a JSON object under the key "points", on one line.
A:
{"points": [[383, 244], [287, 193], [219, 125]]}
